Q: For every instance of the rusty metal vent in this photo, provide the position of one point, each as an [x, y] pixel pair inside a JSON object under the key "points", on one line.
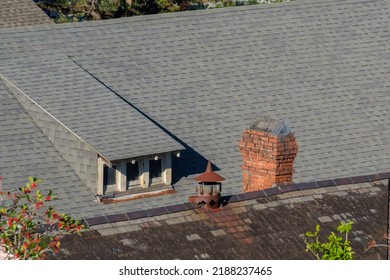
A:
{"points": [[209, 188], [209, 175]]}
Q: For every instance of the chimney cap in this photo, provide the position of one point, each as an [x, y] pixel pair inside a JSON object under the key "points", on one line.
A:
{"points": [[209, 175], [270, 125]]}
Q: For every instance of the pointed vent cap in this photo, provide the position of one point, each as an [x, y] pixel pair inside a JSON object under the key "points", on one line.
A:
{"points": [[209, 175]]}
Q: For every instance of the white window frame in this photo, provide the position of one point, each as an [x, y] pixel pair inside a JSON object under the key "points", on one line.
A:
{"points": [[144, 173]]}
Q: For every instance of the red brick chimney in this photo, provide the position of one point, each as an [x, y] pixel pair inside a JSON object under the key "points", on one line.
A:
{"points": [[268, 149]]}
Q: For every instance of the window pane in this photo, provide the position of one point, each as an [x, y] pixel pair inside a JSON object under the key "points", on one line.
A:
{"points": [[109, 177], [155, 168], [132, 172]]}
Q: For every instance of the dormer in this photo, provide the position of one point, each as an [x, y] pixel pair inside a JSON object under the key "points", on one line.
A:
{"points": [[139, 172], [110, 144]]}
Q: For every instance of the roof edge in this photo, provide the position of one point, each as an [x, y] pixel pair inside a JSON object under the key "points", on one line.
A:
{"points": [[277, 190]]}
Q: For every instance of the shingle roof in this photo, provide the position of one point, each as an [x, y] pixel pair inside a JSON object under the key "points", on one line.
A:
{"points": [[88, 108], [25, 151], [203, 76], [21, 13], [270, 228]]}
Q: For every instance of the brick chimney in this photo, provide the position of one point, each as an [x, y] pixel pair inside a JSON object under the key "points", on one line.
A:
{"points": [[268, 149]]}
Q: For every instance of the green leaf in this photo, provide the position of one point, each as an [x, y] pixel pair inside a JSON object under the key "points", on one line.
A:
{"points": [[335, 249]]}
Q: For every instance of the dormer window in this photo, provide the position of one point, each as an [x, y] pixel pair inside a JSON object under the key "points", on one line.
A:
{"points": [[142, 172], [109, 178], [155, 171], [132, 174]]}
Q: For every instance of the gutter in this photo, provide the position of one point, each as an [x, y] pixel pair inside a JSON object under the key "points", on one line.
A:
{"points": [[275, 190]]}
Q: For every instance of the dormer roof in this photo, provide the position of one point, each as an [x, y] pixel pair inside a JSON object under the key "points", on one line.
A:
{"points": [[115, 128]]}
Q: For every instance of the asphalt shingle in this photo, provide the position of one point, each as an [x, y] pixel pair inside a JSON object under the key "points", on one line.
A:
{"points": [[203, 76], [21, 13], [88, 109]]}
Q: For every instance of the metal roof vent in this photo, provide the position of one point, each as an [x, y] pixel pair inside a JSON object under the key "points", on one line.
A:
{"points": [[209, 188]]}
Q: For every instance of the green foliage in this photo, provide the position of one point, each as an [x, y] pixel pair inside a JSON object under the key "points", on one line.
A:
{"points": [[80, 10], [167, 6], [108, 7], [25, 221], [225, 3], [251, 2], [65, 19], [337, 247]]}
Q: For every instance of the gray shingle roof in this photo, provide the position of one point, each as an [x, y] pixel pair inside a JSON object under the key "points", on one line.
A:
{"points": [[25, 151], [21, 13], [88, 108], [205, 75]]}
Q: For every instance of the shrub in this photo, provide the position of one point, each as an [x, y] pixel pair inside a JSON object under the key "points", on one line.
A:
{"points": [[337, 247], [27, 223]]}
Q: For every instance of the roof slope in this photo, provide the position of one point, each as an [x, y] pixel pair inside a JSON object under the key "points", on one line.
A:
{"points": [[25, 151], [323, 67], [269, 228], [88, 108], [21, 13], [205, 75]]}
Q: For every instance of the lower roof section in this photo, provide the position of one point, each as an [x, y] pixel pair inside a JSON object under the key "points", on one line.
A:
{"points": [[316, 186], [266, 228]]}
